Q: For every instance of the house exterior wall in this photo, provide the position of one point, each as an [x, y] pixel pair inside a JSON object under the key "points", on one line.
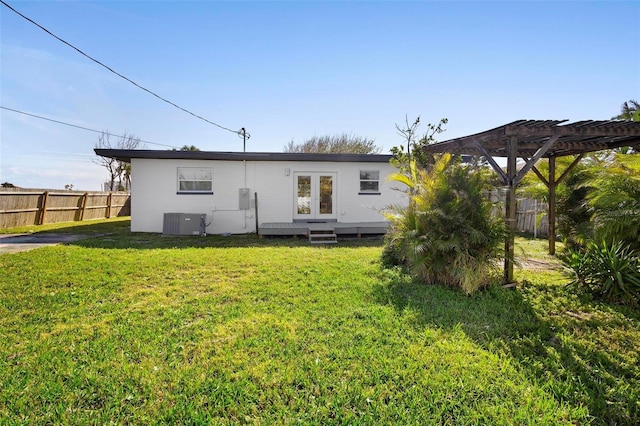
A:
{"points": [[154, 192]]}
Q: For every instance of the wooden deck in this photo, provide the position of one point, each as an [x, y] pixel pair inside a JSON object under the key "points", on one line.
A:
{"points": [[302, 228]]}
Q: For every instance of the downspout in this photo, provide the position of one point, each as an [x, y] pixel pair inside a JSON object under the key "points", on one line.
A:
{"points": [[244, 212]]}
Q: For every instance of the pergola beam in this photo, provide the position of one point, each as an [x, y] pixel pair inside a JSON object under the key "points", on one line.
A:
{"points": [[542, 178], [571, 167], [533, 160], [492, 162]]}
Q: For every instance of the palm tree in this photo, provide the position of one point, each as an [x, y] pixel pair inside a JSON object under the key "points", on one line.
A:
{"points": [[446, 234], [613, 200], [629, 111]]}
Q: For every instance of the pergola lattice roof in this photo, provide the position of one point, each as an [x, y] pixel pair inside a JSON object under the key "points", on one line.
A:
{"points": [[572, 138]]}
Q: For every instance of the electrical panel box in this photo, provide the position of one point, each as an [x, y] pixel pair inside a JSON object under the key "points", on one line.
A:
{"points": [[245, 199], [184, 224]]}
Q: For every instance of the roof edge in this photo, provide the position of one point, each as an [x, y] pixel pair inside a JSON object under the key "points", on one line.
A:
{"points": [[127, 154]]}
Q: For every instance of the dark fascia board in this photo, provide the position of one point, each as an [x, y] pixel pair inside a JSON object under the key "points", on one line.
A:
{"points": [[127, 154]]}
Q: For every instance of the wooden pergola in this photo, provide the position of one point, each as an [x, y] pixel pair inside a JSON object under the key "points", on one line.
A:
{"points": [[532, 140]]}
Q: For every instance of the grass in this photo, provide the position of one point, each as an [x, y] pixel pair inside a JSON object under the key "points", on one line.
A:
{"points": [[140, 329], [119, 225]]}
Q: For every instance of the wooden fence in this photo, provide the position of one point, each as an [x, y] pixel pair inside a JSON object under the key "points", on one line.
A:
{"points": [[531, 215], [20, 207]]}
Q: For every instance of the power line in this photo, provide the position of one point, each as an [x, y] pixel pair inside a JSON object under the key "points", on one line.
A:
{"points": [[80, 127], [115, 72]]}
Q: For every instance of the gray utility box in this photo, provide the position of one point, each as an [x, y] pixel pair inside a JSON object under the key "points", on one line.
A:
{"points": [[245, 199], [184, 224]]}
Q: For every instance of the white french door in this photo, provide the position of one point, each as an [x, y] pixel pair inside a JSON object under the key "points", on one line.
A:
{"points": [[314, 196]]}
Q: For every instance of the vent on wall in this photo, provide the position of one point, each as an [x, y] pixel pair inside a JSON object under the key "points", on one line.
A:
{"points": [[184, 224]]}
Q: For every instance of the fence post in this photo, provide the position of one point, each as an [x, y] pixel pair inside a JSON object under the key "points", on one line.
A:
{"points": [[84, 205], [109, 205], [535, 218], [43, 207]]}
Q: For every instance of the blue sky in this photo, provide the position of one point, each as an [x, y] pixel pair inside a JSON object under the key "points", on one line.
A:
{"points": [[291, 70]]}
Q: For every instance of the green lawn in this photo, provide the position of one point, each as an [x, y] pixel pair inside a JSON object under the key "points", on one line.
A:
{"points": [[145, 329]]}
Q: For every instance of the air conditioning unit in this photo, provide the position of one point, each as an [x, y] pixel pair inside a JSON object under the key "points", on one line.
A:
{"points": [[184, 224]]}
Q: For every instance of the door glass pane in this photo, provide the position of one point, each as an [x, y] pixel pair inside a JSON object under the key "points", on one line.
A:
{"points": [[326, 194], [304, 194]]}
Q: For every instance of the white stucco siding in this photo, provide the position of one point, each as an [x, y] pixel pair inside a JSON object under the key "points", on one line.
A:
{"points": [[155, 192], [357, 207], [275, 190]]}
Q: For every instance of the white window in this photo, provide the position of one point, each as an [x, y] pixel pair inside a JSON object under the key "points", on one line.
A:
{"points": [[193, 180], [369, 182]]}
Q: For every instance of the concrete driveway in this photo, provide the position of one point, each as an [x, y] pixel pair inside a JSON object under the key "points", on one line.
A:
{"points": [[14, 243]]}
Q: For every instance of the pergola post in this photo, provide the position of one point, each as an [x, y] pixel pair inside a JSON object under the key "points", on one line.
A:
{"points": [[552, 206], [510, 209], [552, 184]]}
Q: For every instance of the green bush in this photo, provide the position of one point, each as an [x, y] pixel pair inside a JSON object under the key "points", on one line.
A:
{"points": [[614, 201], [598, 200], [446, 234], [608, 271]]}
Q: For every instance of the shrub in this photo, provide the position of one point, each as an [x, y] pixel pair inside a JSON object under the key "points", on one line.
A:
{"points": [[608, 271], [598, 200], [614, 202], [446, 234]]}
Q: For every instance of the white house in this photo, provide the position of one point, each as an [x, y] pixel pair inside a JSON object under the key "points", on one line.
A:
{"points": [[346, 190]]}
